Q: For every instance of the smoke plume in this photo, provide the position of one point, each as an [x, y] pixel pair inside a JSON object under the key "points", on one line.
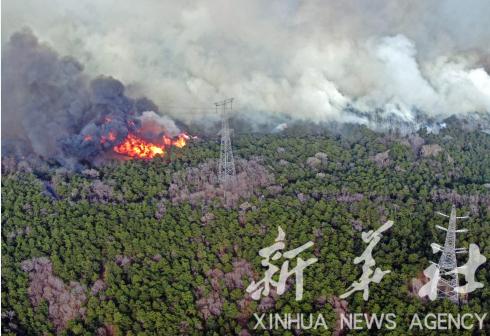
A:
{"points": [[54, 110], [357, 61]]}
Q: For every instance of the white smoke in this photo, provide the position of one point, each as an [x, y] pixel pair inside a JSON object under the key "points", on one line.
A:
{"points": [[154, 124], [306, 59]]}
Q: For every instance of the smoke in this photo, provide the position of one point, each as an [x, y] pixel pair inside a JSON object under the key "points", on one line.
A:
{"points": [[153, 124], [51, 107], [357, 61]]}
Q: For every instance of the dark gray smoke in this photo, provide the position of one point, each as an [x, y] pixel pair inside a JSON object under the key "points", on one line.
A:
{"points": [[51, 108]]}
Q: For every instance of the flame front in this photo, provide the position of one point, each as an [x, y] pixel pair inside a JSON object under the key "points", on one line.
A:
{"points": [[134, 146], [180, 142]]}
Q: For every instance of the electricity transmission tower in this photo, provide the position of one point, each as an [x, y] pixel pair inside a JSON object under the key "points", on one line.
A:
{"points": [[449, 281], [226, 168]]}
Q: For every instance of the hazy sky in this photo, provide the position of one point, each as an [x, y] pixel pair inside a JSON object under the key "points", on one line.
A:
{"points": [[308, 59]]}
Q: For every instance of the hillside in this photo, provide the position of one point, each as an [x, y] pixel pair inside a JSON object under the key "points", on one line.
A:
{"points": [[146, 247]]}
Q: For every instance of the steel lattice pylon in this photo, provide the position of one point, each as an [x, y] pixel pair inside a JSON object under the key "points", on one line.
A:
{"points": [[226, 167], [447, 262]]}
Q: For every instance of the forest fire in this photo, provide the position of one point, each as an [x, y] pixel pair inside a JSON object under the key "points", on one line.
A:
{"points": [[181, 140], [136, 147]]}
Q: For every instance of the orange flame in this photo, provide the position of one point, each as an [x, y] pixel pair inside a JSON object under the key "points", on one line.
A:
{"points": [[134, 146], [181, 140], [167, 141]]}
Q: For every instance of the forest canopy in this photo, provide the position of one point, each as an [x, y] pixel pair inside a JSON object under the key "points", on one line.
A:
{"points": [[154, 247]]}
